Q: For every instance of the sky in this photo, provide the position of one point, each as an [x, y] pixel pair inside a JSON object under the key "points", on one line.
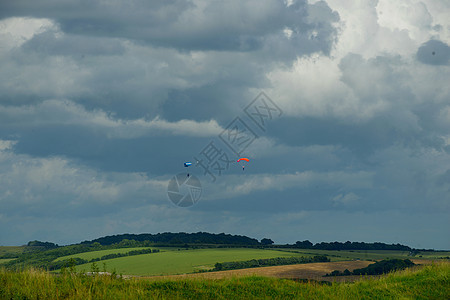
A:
{"points": [[342, 107]]}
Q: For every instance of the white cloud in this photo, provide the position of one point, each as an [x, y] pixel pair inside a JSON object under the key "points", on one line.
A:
{"points": [[186, 127], [65, 112], [346, 198], [16, 31], [313, 88], [6, 145], [372, 69], [422, 20], [412, 16]]}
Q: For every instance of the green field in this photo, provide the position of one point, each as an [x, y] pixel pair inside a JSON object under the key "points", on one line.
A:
{"points": [[335, 255], [183, 261], [5, 260], [173, 261], [98, 254], [11, 250], [428, 282], [434, 255]]}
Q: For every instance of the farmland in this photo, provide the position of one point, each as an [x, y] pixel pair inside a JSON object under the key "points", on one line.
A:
{"points": [[5, 260], [97, 254], [184, 261], [354, 254], [175, 260], [8, 253], [171, 261], [11, 250], [313, 271]]}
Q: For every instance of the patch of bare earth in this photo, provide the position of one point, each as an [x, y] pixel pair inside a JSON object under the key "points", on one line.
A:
{"points": [[313, 271], [423, 261]]}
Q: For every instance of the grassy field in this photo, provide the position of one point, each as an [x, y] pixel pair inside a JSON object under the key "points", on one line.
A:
{"points": [[98, 254], [335, 255], [434, 255], [5, 260], [428, 282], [11, 250], [183, 261]]}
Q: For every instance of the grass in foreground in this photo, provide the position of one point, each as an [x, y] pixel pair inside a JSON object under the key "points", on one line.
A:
{"points": [[432, 281]]}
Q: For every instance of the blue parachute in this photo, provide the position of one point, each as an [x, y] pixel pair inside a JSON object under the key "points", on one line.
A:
{"points": [[187, 164]]}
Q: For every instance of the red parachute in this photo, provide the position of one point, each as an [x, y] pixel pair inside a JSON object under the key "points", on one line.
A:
{"points": [[243, 159]]}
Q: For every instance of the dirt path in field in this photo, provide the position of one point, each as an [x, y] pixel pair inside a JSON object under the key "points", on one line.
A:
{"points": [[312, 271]]}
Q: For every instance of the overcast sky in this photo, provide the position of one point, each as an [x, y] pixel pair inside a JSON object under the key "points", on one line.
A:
{"points": [[101, 103]]}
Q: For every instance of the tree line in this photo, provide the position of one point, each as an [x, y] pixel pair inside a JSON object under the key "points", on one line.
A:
{"points": [[349, 246], [277, 261], [169, 238], [183, 238], [378, 268], [42, 258]]}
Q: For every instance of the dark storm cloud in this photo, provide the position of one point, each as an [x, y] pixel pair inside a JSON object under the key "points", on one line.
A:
{"points": [[100, 140], [223, 26], [67, 10], [362, 140], [137, 51], [434, 52], [91, 147], [444, 180], [200, 103]]}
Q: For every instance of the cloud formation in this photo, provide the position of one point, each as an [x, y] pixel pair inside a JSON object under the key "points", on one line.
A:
{"points": [[102, 102]]}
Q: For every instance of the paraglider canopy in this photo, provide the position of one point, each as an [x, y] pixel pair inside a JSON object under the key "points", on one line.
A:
{"points": [[243, 158]]}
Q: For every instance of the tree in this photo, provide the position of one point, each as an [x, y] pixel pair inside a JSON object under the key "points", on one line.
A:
{"points": [[266, 241], [44, 245], [304, 245]]}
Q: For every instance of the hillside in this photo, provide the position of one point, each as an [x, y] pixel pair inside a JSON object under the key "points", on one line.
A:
{"points": [[110, 250], [183, 261]]}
